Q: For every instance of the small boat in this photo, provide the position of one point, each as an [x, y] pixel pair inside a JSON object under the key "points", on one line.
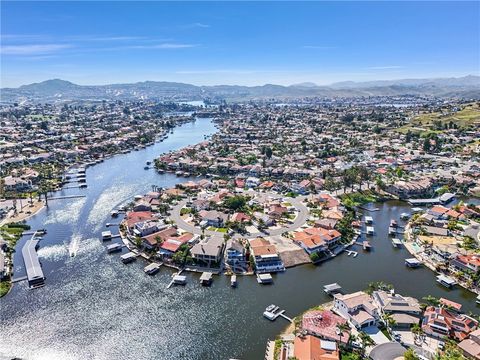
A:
{"points": [[272, 308], [83, 186], [149, 162], [370, 230], [179, 173], [106, 235], [114, 214], [393, 223], [186, 174], [368, 220], [146, 168], [114, 247], [392, 231], [478, 299], [160, 171], [233, 281], [404, 216], [366, 246]]}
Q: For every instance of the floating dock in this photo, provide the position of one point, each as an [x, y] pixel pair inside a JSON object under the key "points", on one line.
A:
{"points": [[206, 278], [396, 242], [272, 312], [35, 275], [264, 278], [151, 269], [446, 281], [128, 257], [412, 262]]}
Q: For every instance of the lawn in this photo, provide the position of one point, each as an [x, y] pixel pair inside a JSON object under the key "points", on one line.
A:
{"points": [[222, 230], [424, 123]]}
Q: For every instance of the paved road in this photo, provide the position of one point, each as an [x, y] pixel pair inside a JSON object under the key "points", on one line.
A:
{"points": [[300, 220], [387, 351]]}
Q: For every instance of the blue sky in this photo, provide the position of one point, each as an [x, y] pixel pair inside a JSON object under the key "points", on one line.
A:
{"points": [[245, 43]]}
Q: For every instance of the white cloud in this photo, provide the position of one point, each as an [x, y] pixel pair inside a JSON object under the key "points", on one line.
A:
{"points": [[32, 49]]}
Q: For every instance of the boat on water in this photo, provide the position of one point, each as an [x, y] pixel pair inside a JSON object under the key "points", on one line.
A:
{"points": [[393, 223], [179, 173], [366, 247], [114, 214], [146, 168], [404, 216], [233, 281], [160, 171], [478, 299], [370, 230], [368, 220]]}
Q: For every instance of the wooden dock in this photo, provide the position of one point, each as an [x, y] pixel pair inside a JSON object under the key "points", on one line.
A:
{"points": [[66, 197]]}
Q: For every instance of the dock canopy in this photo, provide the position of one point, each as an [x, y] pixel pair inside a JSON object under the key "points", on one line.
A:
{"points": [[206, 277], [330, 288], [412, 262], [32, 264]]}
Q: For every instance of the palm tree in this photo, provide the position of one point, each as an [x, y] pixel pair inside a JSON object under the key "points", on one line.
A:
{"points": [[341, 327], [366, 341], [389, 320]]}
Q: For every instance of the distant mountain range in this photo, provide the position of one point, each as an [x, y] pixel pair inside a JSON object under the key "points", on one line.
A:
{"points": [[57, 90]]}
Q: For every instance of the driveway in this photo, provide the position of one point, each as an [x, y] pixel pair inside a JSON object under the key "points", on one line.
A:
{"points": [[376, 335]]}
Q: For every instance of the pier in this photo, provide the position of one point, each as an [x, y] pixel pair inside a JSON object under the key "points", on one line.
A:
{"points": [[66, 197], [273, 312], [35, 275]]}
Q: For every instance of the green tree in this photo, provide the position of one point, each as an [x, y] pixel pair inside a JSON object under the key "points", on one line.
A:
{"points": [[410, 355]]}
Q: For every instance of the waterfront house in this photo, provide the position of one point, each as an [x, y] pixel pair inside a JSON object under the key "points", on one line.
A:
{"points": [[134, 217], [235, 255], [440, 322], [312, 348], [172, 244], [324, 324], [266, 256], [466, 262], [144, 228], [357, 308], [470, 347], [155, 239], [208, 251], [404, 310]]}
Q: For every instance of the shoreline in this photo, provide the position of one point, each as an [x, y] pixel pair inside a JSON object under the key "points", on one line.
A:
{"points": [[426, 262]]}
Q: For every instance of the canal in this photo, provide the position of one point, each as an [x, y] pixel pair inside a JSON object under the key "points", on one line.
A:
{"points": [[93, 306]]}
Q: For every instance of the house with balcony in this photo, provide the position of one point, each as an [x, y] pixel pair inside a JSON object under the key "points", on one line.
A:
{"points": [[266, 256], [357, 308]]}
